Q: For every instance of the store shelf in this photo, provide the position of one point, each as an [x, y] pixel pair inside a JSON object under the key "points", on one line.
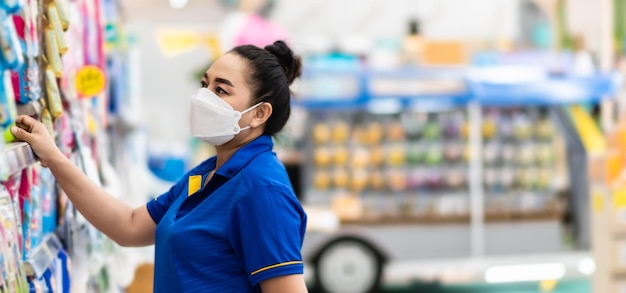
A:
{"points": [[428, 89], [494, 217], [551, 91], [42, 256], [490, 217], [15, 157], [408, 220]]}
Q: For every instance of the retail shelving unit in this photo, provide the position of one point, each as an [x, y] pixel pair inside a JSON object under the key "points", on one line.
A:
{"points": [[14, 158], [382, 212]]}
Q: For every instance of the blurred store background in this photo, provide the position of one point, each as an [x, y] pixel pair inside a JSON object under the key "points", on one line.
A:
{"points": [[437, 145]]}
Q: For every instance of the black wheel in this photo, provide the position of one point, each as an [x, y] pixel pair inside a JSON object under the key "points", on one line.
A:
{"points": [[348, 266]]}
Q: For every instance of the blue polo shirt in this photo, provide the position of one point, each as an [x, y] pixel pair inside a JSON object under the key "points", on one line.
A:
{"points": [[241, 228]]}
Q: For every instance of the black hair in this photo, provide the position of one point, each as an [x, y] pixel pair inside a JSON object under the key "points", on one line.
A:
{"points": [[271, 71]]}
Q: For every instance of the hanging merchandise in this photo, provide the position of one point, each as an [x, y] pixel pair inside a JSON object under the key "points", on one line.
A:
{"points": [[12, 55], [74, 59], [13, 277], [63, 13], [54, 103], [11, 58], [18, 77], [12, 184], [24, 195], [46, 119], [8, 111], [53, 54], [48, 201], [32, 73], [54, 22], [11, 6]]}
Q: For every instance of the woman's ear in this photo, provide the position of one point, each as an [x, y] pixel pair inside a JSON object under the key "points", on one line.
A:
{"points": [[261, 114]]}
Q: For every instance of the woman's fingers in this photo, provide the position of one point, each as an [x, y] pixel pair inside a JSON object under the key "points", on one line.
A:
{"points": [[21, 134], [24, 128], [33, 132], [26, 122]]}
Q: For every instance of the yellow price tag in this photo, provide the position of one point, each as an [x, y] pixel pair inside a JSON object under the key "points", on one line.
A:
{"points": [[90, 81]]}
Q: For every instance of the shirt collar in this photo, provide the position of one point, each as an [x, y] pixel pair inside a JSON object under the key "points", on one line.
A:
{"points": [[244, 155]]}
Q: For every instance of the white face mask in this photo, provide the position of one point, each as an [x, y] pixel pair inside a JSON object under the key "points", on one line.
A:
{"points": [[213, 120]]}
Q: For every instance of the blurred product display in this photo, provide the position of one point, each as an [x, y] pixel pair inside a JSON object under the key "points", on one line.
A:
{"points": [[390, 158], [486, 157], [520, 160], [412, 157]]}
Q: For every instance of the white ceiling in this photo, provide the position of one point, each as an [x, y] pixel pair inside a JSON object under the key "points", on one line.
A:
{"points": [[195, 13]]}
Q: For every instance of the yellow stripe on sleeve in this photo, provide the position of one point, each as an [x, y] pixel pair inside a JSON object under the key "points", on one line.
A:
{"points": [[275, 266], [195, 182]]}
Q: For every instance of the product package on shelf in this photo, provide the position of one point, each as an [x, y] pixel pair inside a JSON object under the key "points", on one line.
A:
{"points": [[31, 200], [13, 278], [11, 6], [27, 227], [55, 106], [48, 201], [31, 31], [12, 56], [520, 159], [53, 55], [408, 165], [54, 22], [8, 111], [18, 75], [12, 185], [48, 269], [19, 61]]}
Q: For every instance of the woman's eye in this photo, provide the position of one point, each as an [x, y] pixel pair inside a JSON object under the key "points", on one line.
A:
{"points": [[203, 84], [219, 90]]}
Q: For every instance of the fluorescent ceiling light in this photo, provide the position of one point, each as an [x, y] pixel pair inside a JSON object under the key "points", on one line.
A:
{"points": [[178, 4], [525, 273], [587, 266]]}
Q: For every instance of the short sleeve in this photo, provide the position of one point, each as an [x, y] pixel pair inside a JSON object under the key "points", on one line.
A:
{"points": [[159, 205], [266, 231]]}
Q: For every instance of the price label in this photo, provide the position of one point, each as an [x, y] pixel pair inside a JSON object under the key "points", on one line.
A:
{"points": [[90, 81]]}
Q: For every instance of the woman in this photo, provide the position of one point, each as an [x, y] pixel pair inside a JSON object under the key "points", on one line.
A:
{"points": [[233, 223]]}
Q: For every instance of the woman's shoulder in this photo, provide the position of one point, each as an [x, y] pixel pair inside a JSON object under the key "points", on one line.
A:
{"points": [[265, 164]]}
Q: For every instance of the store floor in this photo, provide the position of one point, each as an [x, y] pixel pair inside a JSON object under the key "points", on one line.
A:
{"points": [[572, 286]]}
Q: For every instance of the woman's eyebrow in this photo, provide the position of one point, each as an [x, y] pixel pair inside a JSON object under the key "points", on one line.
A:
{"points": [[224, 81]]}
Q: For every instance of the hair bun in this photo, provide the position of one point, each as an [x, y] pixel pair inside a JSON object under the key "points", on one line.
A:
{"points": [[288, 60]]}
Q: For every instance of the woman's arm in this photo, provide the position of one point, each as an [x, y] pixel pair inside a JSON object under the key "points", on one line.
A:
{"points": [[121, 223], [284, 284]]}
